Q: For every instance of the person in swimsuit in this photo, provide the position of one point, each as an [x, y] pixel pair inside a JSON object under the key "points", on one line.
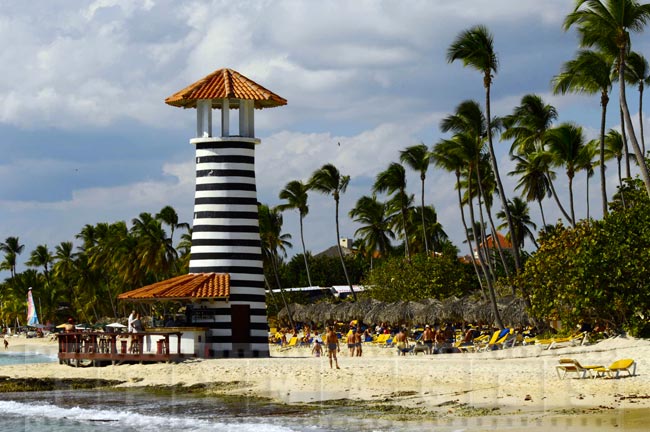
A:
{"points": [[427, 338], [332, 346], [350, 341], [357, 341]]}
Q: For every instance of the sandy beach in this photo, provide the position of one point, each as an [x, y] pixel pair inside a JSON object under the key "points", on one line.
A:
{"points": [[514, 389]]}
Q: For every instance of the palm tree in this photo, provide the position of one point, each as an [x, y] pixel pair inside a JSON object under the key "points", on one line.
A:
{"points": [[41, 257], [393, 181], [274, 244], [168, 216], [535, 177], [590, 73], [329, 181], [65, 268], [524, 225], [565, 143], [637, 72], [609, 23], [586, 163], [375, 229], [295, 193], [470, 126], [446, 156], [12, 248], [436, 235], [528, 123], [614, 150], [475, 47], [154, 249], [418, 158]]}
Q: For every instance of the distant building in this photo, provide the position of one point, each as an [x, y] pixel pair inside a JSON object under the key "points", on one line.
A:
{"points": [[345, 242], [490, 243]]}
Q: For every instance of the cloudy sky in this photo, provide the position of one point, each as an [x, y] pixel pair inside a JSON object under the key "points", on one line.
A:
{"points": [[85, 135]]}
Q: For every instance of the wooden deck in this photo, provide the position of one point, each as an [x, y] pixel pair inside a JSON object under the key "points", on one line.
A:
{"points": [[97, 349]]}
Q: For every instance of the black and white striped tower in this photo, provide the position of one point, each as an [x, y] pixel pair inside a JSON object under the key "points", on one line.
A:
{"points": [[225, 233]]}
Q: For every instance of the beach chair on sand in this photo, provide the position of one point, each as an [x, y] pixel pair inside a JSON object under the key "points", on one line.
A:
{"points": [[292, 343], [614, 370], [381, 339], [572, 366], [497, 339]]}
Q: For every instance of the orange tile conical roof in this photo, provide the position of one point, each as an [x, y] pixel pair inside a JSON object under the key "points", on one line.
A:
{"points": [[185, 287], [225, 83]]}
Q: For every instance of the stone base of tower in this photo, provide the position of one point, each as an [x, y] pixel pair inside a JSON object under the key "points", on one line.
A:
{"points": [[237, 351]]}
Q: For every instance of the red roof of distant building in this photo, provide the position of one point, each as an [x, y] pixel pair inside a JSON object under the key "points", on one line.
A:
{"points": [[503, 242], [225, 83], [189, 286]]}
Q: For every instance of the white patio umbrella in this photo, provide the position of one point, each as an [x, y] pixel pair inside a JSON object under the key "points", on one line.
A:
{"points": [[116, 325]]}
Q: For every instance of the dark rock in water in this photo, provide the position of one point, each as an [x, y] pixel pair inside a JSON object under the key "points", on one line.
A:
{"points": [[9, 385]]}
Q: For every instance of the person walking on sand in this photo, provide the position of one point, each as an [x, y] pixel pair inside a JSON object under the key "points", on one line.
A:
{"points": [[357, 341], [427, 338], [130, 322], [6, 342], [332, 346]]}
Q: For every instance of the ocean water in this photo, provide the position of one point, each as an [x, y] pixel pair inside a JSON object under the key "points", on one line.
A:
{"points": [[136, 410], [10, 357], [139, 411]]}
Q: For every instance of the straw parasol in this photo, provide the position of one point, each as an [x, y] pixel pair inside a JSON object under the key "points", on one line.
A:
{"points": [[295, 308], [399, 312], [430, 313], [514, 313], [360, 308], [455, 309]]}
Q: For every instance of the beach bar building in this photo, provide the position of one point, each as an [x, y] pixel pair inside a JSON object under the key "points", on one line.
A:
{"points": [[224, 290]]}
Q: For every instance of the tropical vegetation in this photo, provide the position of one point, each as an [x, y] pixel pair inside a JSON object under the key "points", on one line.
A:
{"points": [[580, 268]]}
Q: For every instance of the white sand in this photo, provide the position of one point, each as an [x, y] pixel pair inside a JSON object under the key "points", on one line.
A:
{"points": [[515, 380]]}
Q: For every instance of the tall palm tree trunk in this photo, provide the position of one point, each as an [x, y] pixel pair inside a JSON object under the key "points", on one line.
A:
{"points": [[497, 176], [641, 118], [274, 261], [541, 210], [489, 258], [405, 227], [557, 200], [604, 99], [424, 227], [573, 216], [304, 251], [630, 128], [338, 246], [492, 228], [488, 281], [469, 242], [626, 150]]}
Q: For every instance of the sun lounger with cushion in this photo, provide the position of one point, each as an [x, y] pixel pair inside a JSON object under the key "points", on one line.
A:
{"points": [[614, 370], [568, 366]]}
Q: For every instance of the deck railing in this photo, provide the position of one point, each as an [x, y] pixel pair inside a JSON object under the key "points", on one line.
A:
{"points": [[99, 347]]}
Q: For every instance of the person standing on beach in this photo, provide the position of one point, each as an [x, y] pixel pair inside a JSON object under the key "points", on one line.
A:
{"points": [[357, 341], [350, 342], [333, 347], [427, 338], [130, 323]]}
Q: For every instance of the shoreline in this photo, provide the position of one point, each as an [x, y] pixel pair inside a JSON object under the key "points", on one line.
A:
{"points": [[512, 388]]}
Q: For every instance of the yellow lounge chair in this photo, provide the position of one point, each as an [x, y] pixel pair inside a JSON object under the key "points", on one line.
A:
{"points": [[568, 366], [623, 365], [381, 339]]}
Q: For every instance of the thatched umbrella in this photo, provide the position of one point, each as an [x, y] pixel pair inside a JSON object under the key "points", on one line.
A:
{"points": [[515, 314], [361, 307], [341, 311], [455, 309], [374, 315], [295, 308], [322, 312], [430, 313], [400, 312]]}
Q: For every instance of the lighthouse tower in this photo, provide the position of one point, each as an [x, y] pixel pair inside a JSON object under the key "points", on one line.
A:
{"points": [[225, 233]]}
